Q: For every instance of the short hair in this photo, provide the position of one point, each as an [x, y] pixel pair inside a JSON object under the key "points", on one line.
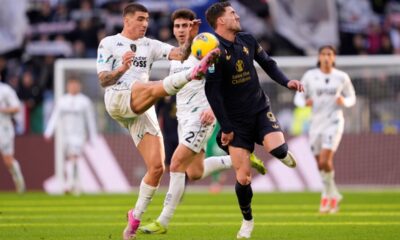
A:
{"points": [[183, 13], [215, 11], [330, 47], [132, 8]]}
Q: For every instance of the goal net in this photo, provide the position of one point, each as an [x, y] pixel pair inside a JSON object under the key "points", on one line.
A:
{"points": [[369, 153]]}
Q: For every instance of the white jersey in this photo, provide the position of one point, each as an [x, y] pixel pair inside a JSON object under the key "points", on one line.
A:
{"points": [[8, 99], [191, 100], [324, 89], [112, 48], [76, 116]]}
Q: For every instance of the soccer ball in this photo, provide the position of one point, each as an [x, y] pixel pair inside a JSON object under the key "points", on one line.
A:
{"points": [[203, 44]]}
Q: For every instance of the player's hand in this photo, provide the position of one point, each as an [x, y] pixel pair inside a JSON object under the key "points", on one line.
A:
{"points": [[340, 101], [309, 102], [207, 117], [295, 85], [47, 138], [227, 138], [194, 28], [127, 60]]}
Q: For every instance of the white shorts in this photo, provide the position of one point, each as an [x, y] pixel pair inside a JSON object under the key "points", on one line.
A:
{"points": [[329, 138], [7, 140], [193, 134], [118, 104], [74, 146]]}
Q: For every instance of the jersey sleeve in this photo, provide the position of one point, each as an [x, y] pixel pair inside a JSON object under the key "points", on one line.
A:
{"points": [[268, 64], [105, 57], [51, 125], [160, 50], [213, 89], [300, 97], [90, 120], [348, 92], [13, 101]]}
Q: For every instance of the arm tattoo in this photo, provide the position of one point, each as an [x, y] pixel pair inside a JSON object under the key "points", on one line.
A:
{"points": [[108, 78], [185, 50]]}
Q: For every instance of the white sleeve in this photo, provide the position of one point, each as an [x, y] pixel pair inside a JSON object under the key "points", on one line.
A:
{"points": [[51, 125], [348, 92], [105, 57], [160, 50], [90, 120], [300, 97], [13, 100]]}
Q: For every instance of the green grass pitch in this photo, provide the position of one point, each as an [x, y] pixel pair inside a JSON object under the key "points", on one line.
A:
{"points": [[278, 216]]}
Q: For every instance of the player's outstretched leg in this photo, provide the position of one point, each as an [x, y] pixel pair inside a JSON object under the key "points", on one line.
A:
{"points": [[257, 164], [200, 70], [133, 224]]}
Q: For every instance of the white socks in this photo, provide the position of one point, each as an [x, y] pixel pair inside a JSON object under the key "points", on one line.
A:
{"points": [[213, 164], [173, 197], [17, 176], [174, 82], [146, 193], [329, 186]]}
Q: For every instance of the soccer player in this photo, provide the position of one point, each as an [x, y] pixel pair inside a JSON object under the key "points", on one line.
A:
{"points": [[9, 105], [123, 67], [196, 122], [240, 105], [327, 90], [75, 113]]}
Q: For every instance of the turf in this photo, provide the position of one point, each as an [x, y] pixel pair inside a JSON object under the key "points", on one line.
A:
{"points": [[363, 216]]}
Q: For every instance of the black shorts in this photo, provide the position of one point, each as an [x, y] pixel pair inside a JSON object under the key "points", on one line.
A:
{"points": [[251, 129]]}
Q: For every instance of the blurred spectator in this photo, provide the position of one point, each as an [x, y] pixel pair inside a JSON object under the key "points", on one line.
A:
{"points": [[354, 19]]}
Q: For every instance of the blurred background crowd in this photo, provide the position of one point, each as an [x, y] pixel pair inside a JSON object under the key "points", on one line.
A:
{"points": [[34, 33]]}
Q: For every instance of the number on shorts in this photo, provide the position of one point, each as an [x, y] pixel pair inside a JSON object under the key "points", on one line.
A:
{"points": [[190, 137]]}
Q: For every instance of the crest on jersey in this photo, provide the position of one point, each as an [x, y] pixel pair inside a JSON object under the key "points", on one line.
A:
{"points": [[211, 69], [239, 65]]}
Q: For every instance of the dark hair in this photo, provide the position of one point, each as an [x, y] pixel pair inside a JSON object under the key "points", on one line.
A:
{"points": [[330, 47], [215, 11], [183, 13], [131, 8]]}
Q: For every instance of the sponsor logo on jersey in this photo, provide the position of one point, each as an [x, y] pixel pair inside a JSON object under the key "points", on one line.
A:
{"points": [[140, 62], [119, 44]]}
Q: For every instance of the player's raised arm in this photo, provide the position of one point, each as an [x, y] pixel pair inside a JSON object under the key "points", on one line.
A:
{"points": [[107, 75]]}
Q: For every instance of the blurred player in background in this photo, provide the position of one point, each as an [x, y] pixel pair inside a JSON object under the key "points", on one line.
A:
{"points": [[123, 67], [74, 112], [196, 122], [240, 105], [327, 90], [9, 105]]}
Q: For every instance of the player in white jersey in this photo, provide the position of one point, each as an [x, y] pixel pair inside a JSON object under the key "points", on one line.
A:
{"points": [[123, 66], [9, 105], [74, 113], [196, 122], [328, 90]]}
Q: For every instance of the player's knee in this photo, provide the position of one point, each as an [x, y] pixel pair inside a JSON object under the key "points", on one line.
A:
{"points": [[194, 176], [244, 179], [280, 152], [156, 171]]}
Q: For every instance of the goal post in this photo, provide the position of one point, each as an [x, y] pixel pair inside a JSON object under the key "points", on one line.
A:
{"points": [[371, 139]]}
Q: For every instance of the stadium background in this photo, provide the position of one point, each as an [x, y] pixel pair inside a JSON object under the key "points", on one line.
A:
{"points": [[34, 34]]}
